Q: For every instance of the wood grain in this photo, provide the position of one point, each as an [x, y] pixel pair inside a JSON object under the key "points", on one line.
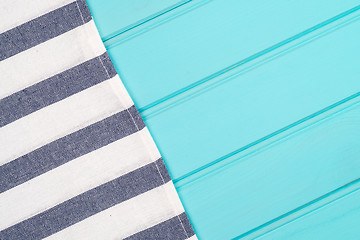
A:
{"points": [[254, 105]]}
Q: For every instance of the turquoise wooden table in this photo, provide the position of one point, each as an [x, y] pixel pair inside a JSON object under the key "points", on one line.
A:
{"points": [[254, 106]]}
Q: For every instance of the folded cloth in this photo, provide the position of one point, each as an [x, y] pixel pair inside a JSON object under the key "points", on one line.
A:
{"points": [[76, 159]]}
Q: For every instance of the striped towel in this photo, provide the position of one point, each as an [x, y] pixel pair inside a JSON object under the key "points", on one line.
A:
{"points": [[76, 160]]}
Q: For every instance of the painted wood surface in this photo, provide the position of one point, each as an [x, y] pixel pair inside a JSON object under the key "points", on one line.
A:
{"points": [[254, 106]]}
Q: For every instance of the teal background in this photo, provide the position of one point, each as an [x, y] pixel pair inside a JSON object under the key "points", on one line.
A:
{"points": [[254, 105]]}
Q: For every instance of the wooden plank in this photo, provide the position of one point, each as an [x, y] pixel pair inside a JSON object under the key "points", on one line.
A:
{"points": [[188, 47], [258, 103], [253, 105], [115, 17], [263, 186], [337, 220]]}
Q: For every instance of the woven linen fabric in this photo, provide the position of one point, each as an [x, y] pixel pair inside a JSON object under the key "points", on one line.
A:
{"points": [[76, 160]]}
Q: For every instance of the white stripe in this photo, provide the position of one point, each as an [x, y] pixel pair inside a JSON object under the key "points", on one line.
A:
{"points": [[193, 238], [17, 12], [60, 119], [125, 219], [73, 178], [149, 143], [49, 58]]}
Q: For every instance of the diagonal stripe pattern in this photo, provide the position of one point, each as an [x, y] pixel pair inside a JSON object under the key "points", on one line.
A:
{"points": [[77, 161]]}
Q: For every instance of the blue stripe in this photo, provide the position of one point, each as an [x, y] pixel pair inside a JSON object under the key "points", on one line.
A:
{"points": [[84, 10], [43, 28], [69, 147], [55, 88], [176, 228], [87, 204]]}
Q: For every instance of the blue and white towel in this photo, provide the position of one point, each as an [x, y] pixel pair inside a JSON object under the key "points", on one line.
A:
{"points": [[76, 160]]}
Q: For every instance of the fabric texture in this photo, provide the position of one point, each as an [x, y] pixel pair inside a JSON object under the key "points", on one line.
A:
{"points": [[76, 159]]}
